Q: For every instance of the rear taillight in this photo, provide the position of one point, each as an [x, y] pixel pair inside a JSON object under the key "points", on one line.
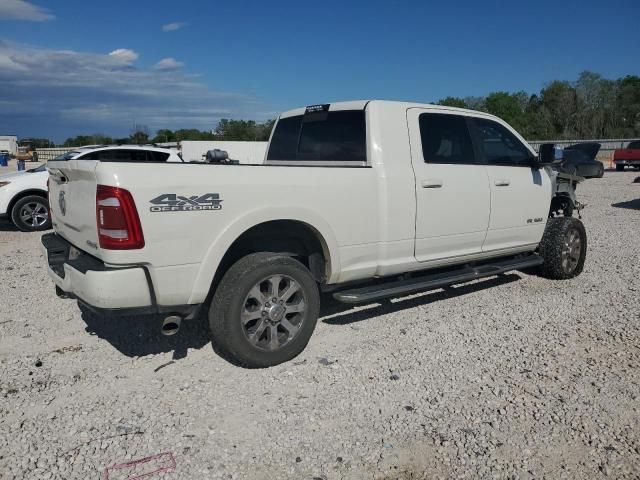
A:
{"points": [[117, 218]]}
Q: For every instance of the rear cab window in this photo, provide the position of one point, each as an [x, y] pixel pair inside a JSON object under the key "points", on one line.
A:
{"points": [[320, 137]]}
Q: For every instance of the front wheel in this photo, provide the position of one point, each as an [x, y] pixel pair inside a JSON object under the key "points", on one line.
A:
{"points": [[31, 214], [563, 248], [264, 310], [619, 167]]}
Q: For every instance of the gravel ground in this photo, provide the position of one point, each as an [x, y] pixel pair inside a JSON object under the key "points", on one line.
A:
{"points": [[514, 377]]}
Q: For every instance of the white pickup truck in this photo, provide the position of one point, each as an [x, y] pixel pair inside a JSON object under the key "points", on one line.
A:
{"points": [[365, 199]]}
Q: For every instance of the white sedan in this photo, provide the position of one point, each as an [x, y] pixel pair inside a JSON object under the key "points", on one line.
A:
{"points": [[24, 197]]}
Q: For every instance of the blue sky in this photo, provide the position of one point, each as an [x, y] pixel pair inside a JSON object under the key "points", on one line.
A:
{"points": [[76, 67]]}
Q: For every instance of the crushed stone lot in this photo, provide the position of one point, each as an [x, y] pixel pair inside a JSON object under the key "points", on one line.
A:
{"points": [[510, 377]]}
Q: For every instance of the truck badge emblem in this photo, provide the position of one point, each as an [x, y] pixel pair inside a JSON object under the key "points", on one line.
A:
{"points": [[170, 202]]}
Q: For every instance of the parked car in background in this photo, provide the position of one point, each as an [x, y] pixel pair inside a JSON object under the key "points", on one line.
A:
{"points": [[627, 157], [23, 195], [23, 199], [123, 153]]}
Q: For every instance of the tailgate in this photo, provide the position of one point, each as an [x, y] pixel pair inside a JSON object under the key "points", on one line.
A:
{"points": [[72, 195]]}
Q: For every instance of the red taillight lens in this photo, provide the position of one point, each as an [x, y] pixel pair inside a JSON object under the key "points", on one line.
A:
{"points": [[117, 218]]}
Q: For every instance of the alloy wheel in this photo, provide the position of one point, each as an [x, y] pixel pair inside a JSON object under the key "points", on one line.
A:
{"points": [[273, 312]]}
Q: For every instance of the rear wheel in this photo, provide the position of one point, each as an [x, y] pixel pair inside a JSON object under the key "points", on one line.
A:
{"points": [[31, 214], [264, 310], [619, 167], [563, 248]]}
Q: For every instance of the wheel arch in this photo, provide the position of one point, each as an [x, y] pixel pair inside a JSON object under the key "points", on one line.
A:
{"points": [[25, 193], [559, 200], [297, 235]]}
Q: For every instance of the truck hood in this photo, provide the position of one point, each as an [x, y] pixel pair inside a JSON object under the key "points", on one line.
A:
{"points": [[34, 179], [9, 176]]}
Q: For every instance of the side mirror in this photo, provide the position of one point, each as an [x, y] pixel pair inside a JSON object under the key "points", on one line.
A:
{"points": [[547, 154]]}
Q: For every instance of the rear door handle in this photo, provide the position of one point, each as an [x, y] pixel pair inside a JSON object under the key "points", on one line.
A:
{"points": [[502, 182], [431, 183]]}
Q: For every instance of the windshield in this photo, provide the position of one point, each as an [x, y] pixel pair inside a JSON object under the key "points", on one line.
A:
{"points": [[66, 156]]}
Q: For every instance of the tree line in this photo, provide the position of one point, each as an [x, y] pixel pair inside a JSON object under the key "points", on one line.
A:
{"points": [[241, 130], [589, 107]]}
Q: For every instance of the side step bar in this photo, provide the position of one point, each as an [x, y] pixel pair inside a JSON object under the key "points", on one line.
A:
{"points": [[435, 280]]}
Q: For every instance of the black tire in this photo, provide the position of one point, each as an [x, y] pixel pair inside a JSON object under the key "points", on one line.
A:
{"points": [[563, 248], [235, 296], [619, 167], [31, 214]]}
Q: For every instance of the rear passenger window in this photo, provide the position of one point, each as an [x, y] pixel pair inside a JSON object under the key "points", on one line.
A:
{"points": [[157, 156], [499, 146], [114, 156], [88, 156], [338, 136], [445, 139], [126, 155]]}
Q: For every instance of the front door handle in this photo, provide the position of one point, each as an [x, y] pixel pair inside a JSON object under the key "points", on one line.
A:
{"points": [[502, 182], [431, 183]]}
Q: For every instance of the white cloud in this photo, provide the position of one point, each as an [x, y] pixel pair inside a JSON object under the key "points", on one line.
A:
{"points": [[60, 93], [124, 55], [170, 27], [23, 10], [168, 64]]}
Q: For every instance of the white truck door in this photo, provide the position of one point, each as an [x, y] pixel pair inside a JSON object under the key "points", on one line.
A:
{"points": [[452, 188], [520, 194]]}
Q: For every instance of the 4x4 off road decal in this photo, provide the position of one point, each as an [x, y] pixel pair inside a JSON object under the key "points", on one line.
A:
{"points": [[170, 202]]}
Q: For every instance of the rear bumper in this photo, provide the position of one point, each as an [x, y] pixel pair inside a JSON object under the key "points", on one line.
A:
{"points": [[623, 161], [106, 290]]}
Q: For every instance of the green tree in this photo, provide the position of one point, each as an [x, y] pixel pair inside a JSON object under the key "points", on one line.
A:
{"points": [[537, 121], [247, 130], [453, 102], [476, 103], [627, 107], [80, 140], [560, 100], [164, 135], [508, 106], [139, 134], [596, 99]]}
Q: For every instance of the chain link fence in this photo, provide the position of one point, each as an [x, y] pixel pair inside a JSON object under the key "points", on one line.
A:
{"points": [[46, 154]]}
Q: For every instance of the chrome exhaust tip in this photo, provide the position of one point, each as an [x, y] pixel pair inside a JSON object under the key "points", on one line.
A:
{"points": [[171, 325]]}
